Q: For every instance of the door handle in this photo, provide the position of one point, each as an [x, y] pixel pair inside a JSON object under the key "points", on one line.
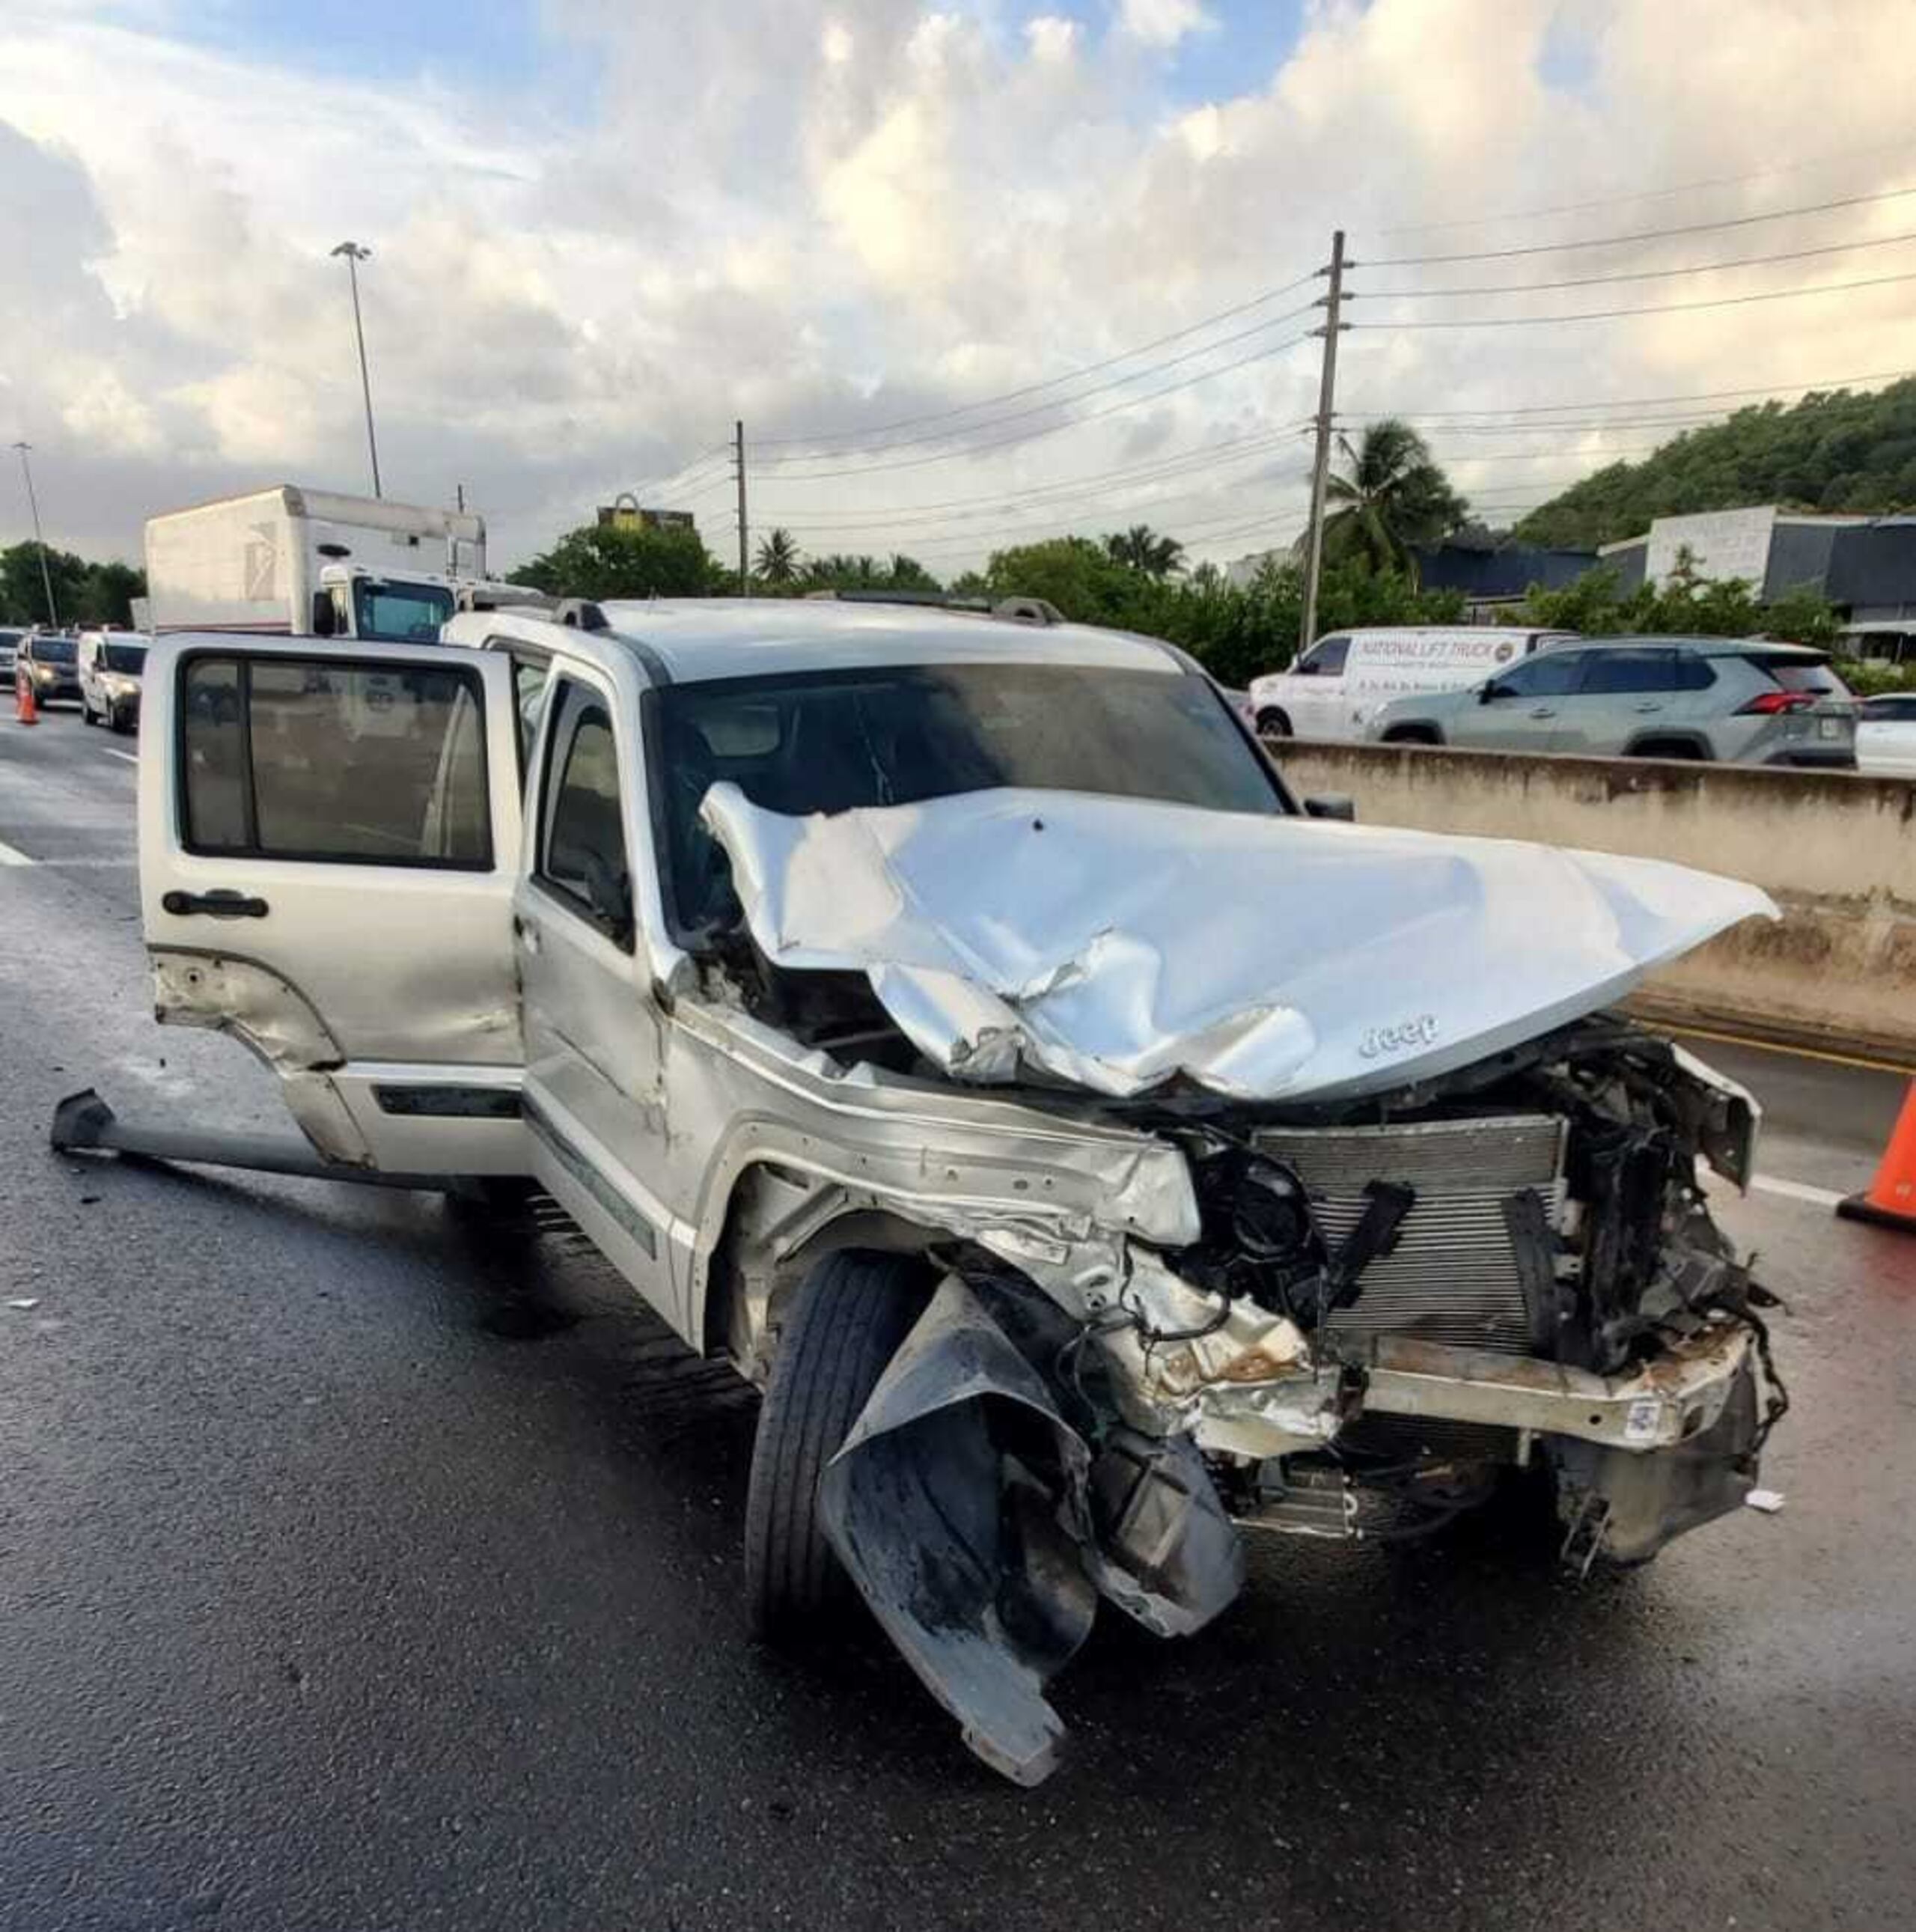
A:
{"points": [[215, 904], [1545, 711], [1653, 705]]}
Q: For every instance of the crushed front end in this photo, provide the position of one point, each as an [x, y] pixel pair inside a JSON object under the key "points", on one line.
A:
{"points": [[1393, 1305]]}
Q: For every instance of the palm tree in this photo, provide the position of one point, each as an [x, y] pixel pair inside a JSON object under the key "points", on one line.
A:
{"points": [[1142, 548], [778, 557], [1392, 498]]}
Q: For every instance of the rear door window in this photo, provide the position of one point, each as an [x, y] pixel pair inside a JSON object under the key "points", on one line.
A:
{"points": [[342, 762], [1608, 673]]}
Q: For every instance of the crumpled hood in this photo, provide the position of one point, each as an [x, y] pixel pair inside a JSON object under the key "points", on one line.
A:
{"points": [[1117, 943]]}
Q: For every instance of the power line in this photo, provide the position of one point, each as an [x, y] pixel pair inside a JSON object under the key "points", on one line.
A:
{"points": [[1133, 477], [1647, 194], [1661, 308], [1052, 429], [1066, 402], [1637, 275], [1648, 402], [1053, 382], [1643, 234]]}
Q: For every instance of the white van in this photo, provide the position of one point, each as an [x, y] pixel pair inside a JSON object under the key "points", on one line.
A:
{"points": [[1332, 690]]}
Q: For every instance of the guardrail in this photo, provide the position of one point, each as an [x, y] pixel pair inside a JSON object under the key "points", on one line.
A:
{"points": [[1835, 850]]}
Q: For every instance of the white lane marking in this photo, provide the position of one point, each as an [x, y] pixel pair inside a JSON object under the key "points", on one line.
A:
{"points": [[1795, 1190], [11, 855], [131, 757]]}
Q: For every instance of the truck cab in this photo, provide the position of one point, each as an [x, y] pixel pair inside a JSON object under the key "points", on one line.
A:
{"points": [[394, 607]]}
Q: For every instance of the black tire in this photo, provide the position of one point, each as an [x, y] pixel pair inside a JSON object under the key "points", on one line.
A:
{"points": [[86, 716], [1271, 723], [847, 1322], [1680, 749], [1412, 734]]}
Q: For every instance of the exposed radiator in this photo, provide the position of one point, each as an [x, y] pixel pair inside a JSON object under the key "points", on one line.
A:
{"points": [[1455, 1275]]}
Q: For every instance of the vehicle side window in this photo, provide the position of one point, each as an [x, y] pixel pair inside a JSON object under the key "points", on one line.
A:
{"points": [[1325, 658], [1548, 674], [531, 679], [315, 758], [1694, 673], [582, 853], [1610, 673]]}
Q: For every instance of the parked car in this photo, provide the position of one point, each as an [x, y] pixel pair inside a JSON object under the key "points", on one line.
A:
{"points": [[109, 665], [955, 1025], [1333, 689], [1886, 736], [50, 660], [10, 645], [1735, 699]]}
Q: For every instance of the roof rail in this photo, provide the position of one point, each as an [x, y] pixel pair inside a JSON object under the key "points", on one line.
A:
{"points": [[583, 614], [501, 597], [1009, 610]]}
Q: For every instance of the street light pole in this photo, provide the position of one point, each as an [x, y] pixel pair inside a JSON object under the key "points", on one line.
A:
{"points": [[354, 254], [39, 541]]}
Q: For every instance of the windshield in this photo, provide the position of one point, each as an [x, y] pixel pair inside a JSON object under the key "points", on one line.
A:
{"points": [[128, 658], [404, 613], [832, 741], [53, 650]]}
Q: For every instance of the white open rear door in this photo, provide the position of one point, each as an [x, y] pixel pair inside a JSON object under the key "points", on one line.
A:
{"points": [[329, 837]]}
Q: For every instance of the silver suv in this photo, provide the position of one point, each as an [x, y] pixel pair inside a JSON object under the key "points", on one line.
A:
{"points": [[953, 1024], [1740, 700]]}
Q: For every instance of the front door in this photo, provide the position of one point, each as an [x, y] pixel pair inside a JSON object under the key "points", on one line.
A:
{"points": [[329, 839], [595, 1102], [1520, 710]]}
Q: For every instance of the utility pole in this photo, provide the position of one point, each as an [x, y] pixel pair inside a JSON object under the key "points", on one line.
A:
{"points": [[354, 255], [1321, 466], [39, 541], [744, 536]]}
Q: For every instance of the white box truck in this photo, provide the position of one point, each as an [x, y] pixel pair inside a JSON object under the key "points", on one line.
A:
{"points": [[289, 560]]}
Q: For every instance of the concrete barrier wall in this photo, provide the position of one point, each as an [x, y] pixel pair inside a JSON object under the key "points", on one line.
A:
{"points": [[1837, 851]]}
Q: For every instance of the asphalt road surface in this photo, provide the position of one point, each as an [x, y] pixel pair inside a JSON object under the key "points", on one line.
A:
{"points": [[361, 1567]]}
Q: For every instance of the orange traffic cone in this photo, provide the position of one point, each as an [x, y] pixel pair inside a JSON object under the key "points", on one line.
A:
{"points": [[24, 703], [1890, 1200]]}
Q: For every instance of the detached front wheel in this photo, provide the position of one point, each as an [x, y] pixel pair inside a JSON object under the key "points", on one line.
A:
{"points": [[847, 1323]]}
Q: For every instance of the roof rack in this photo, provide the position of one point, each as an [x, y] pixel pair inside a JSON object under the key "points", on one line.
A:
{"points": [[501, 597], [581, 614], [1007, 610]]}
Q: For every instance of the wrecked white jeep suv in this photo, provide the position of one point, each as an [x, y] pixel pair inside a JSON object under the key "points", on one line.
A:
{"points": [[1097, 1158]]}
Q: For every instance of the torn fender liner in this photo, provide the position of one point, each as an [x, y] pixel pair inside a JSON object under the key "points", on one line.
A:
{"points": [[1118, 943], [962, 1504]]}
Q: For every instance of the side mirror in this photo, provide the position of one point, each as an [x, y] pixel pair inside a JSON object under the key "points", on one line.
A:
{"points": [[322, 613], [1337, 804], [1489, 694]]}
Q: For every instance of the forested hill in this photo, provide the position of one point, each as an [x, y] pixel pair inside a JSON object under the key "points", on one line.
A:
{"points": [[1836, 449]]}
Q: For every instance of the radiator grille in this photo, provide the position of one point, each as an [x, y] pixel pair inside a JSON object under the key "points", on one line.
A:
{"points": [[1454, 1275]]}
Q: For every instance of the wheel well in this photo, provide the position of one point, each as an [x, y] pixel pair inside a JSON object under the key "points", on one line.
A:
{"points": [[1274, 719], [1665, 744], [1413, 734], [779, 1224]]}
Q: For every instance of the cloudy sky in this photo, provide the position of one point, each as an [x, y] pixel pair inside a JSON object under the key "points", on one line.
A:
{"points": [[912, 247]]}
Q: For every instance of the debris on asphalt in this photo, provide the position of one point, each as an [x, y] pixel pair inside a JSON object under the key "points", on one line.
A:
{"points": [[1768, 1500], [25, 1302]]}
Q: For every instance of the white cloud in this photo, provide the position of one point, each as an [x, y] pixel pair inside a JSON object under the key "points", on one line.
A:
{"points": [[846, 212], [1163, 23]]}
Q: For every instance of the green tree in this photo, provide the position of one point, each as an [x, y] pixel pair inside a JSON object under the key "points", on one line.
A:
{"points": [[777, 560], [1391, 498], [1834, 449], [1143, 549], [601, 561], [85, 593]]}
